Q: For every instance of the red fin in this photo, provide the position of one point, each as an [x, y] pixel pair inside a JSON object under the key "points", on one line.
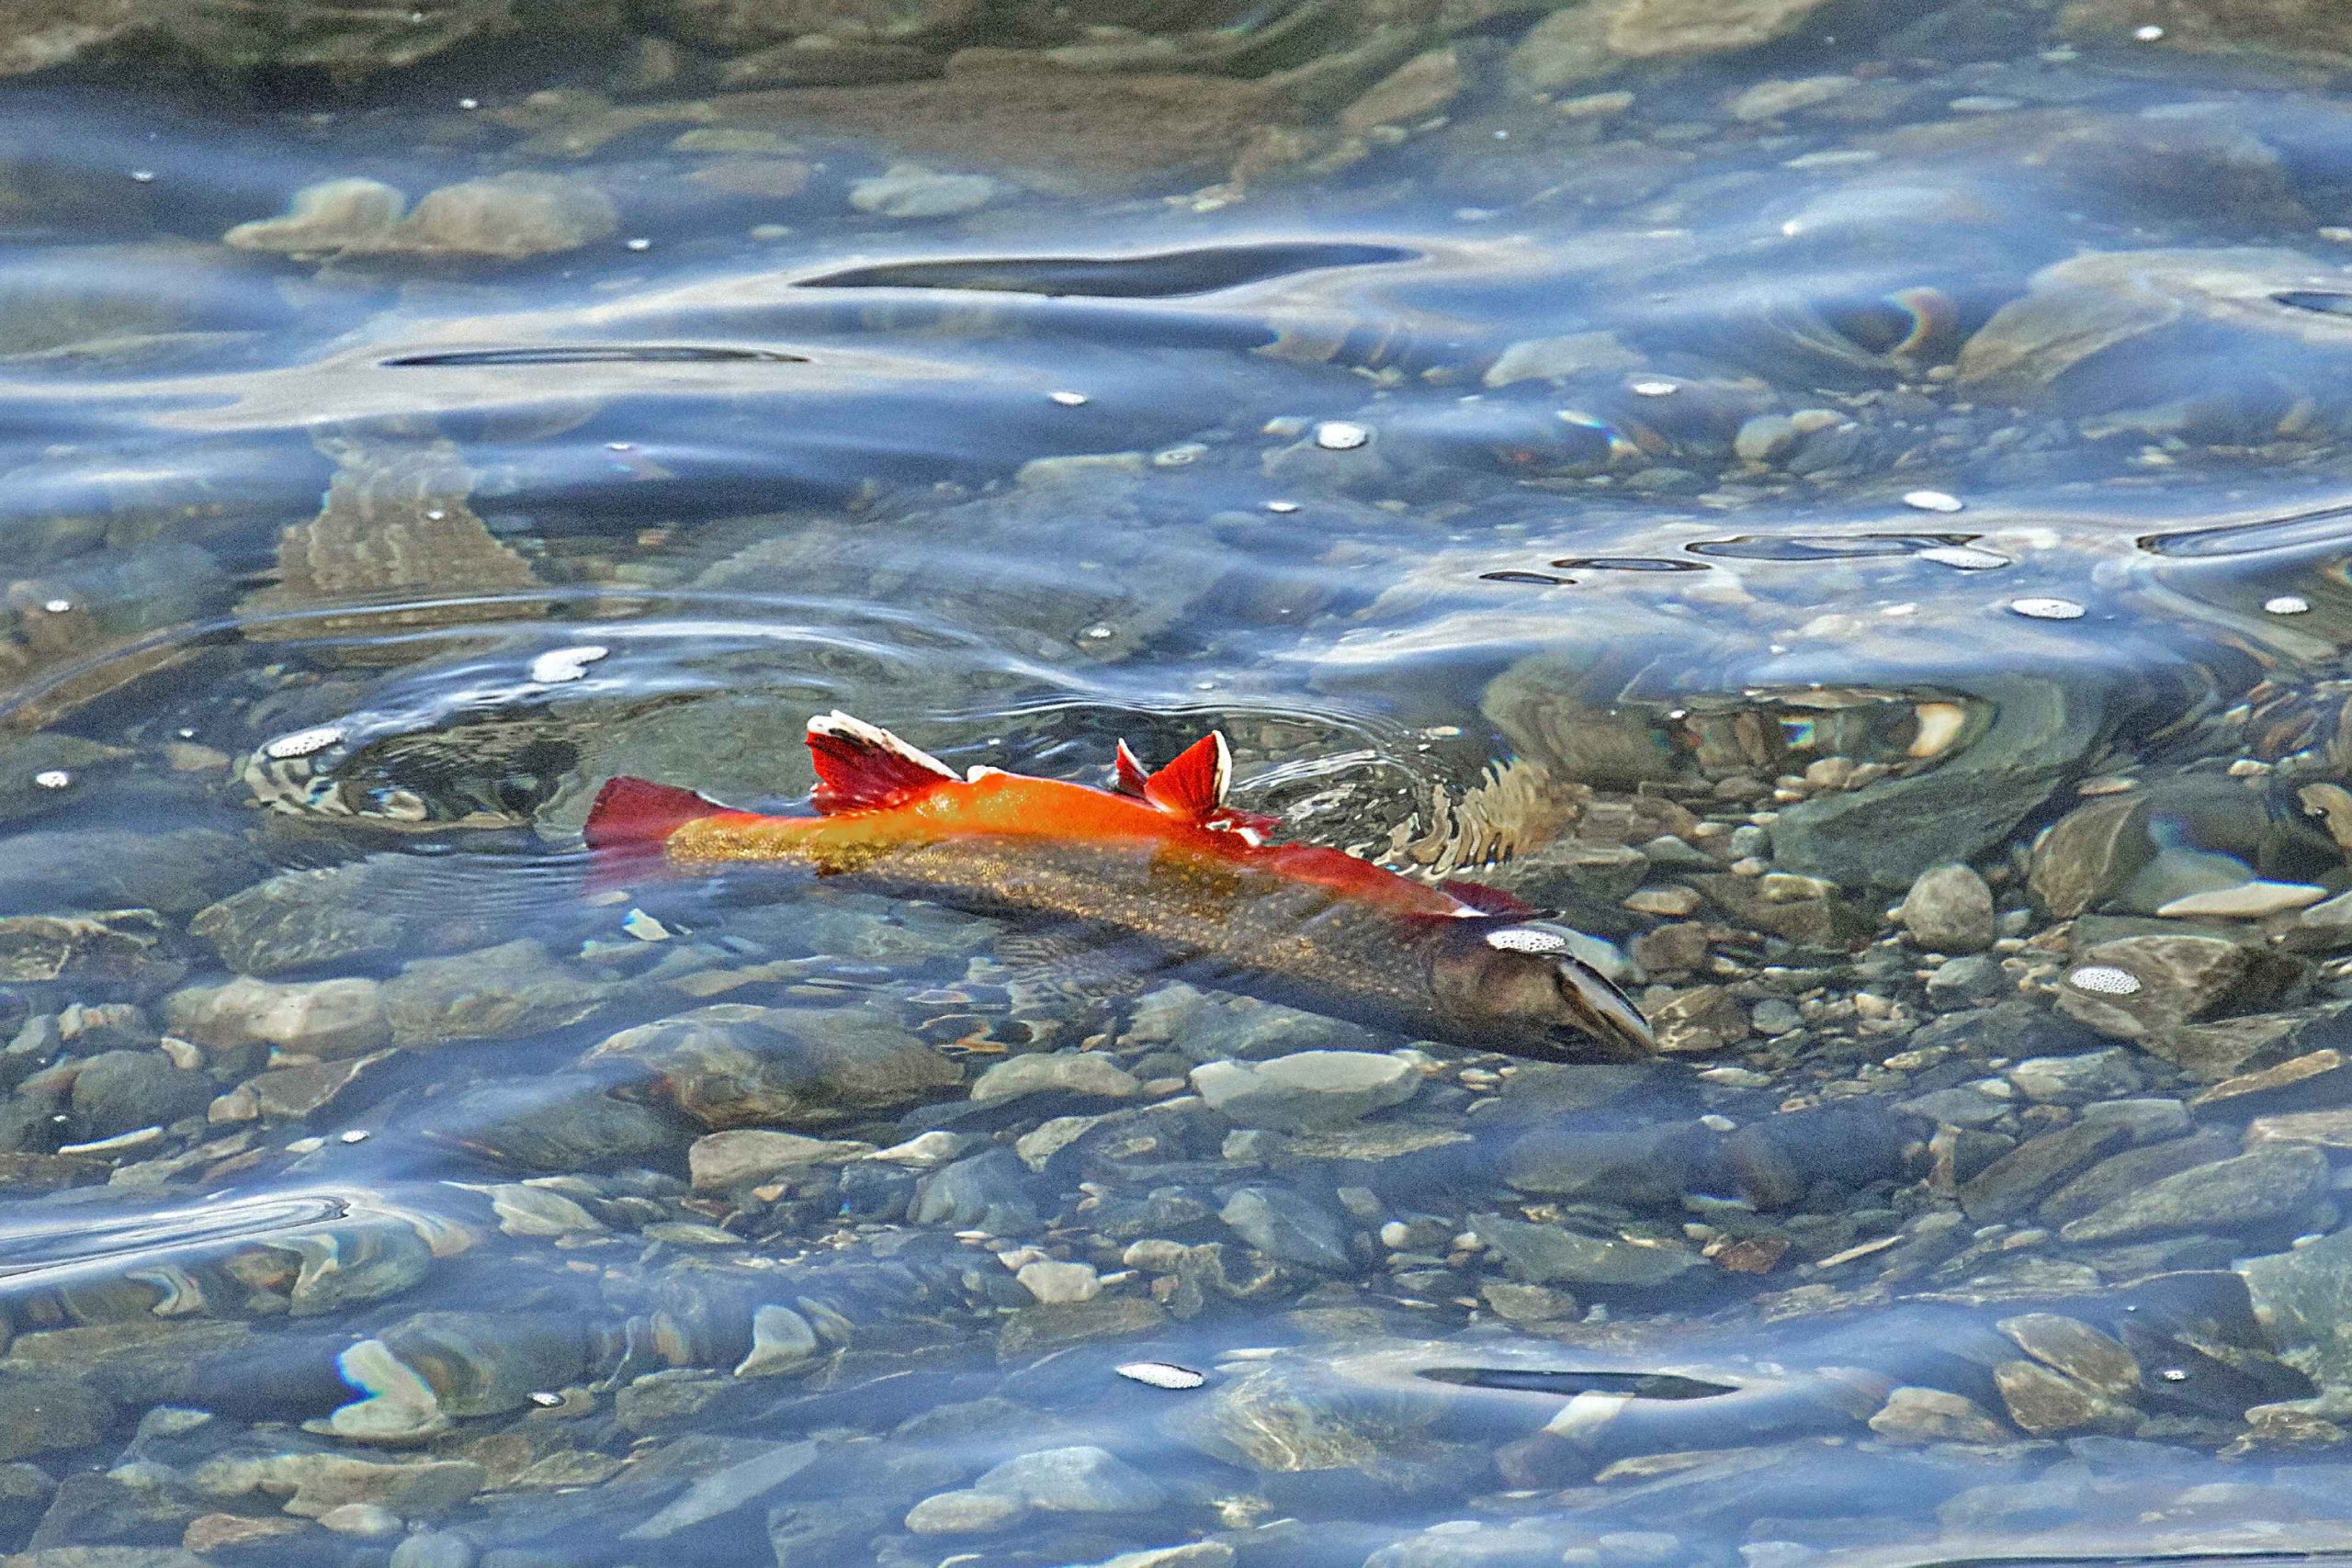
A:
{"points": [[1193, 785], [1132, 774], [639, 814], [860, 765], [1256, 824], [1487, 900]]}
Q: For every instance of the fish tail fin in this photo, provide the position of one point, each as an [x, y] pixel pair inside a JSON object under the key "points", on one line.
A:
{"points": [[1192, 787], [862, 765], [639, 815]]}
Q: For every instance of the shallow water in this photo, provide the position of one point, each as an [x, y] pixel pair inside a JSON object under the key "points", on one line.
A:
{"points": [[1704, 497]]}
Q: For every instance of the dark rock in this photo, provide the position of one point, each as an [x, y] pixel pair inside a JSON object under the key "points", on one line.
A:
{"points": [[562, 1121], [2129, 1171], [117, 1092], [2303, 1299], [175, 871], [1777, 1159], [1548, 1255], [121, 949], [42, 1412], [2027, 1174], [734, 1066], [382, 905], [984, 1191], [1285, 1223], [1645, 1166], [2227, 1195], [98, 1509]]}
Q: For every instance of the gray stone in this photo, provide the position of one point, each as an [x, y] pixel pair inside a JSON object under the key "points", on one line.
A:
{"points": [[1547, 1255], [497, 993], [2069, 1080], [1080, 1480], [744, 1157], [782, 1341], [175, 872], [1967, 982], [1584, 43], [965, 1512], [2096, 1360], [503, 217], [1886, 833], [1306, 1090], [1948, 910], [434, 1549], [909, 190], [367, 909], [322, 1018], [985, 1191], [2303, 1300], [736, 1065], [2047, 1403], [2146, 1120], [1932, 1415], [725, 1490], [117, 948], [2022, 1177], [2118, 1175], [1058, 1072], [2269, 1184], [1191, 1554], [2089, 854], [118, 1091], [1283, 1224], [2180, 978], [40, 1414]]}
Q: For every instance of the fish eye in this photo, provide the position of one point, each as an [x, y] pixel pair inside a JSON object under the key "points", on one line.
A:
{"points": [[1526, 939]]}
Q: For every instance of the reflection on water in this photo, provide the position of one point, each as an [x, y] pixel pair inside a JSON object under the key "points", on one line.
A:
{"points": [[1844, 504]]}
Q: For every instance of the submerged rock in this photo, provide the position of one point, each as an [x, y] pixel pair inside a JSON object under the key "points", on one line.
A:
{"points": [[1584, 43], [499, 992], [503, 217], [1306, 1090], [738, 1065], [2303, 1299], [2228, 1195], [1948, 910]]}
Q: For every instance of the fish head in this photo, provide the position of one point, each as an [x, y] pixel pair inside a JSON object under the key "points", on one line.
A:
{"points": [[1519, 985]]}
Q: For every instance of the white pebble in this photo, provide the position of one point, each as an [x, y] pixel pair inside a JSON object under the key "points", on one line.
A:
{"points": [[1162, 1374], [2106, 980], [1285, 507], [57, 606], [639, 244], [545, 1399], [143, 176], [644, 927], [1339, 436], [1068, 399], [1964, 557], [558, 665], [1931, 501], [469, 102], [302, 742], [1655, 388], [2286, 605], [2148, 34], [53, 778], [356, 1135], [2047, 609]]}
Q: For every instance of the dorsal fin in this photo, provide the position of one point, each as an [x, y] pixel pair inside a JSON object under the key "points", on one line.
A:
{"points": [[860, 765], [1131, 774], [1192, 787], [1487, 900]]}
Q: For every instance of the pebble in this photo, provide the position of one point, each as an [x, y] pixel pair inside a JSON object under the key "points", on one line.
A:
{"points": [[912, 191], [1161, 1374], [1060, 1072], [1339, 436], [782, 1341], [1948, 910], [1283, 1224], [744, 1157], [1933, 1416], [2247, 901], [1306, 1090], [1081, 1479], [2043, 609], [1057, 1284]]}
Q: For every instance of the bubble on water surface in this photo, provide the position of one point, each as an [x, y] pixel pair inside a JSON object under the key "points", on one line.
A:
{"points": [[1068, 399], [1339, 436], [53, 778], [2047, 609], [559, 665], [1932, 500], [2286, 605]]}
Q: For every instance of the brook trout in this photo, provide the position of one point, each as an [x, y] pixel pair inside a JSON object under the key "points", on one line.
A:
{"points": [[1164, 858]]}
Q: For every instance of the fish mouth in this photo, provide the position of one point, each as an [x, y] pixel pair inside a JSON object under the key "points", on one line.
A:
{"points": [[1603, 1023]]}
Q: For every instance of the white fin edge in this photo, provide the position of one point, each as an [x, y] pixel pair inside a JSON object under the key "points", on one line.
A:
{"points": [[874, 735]]}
